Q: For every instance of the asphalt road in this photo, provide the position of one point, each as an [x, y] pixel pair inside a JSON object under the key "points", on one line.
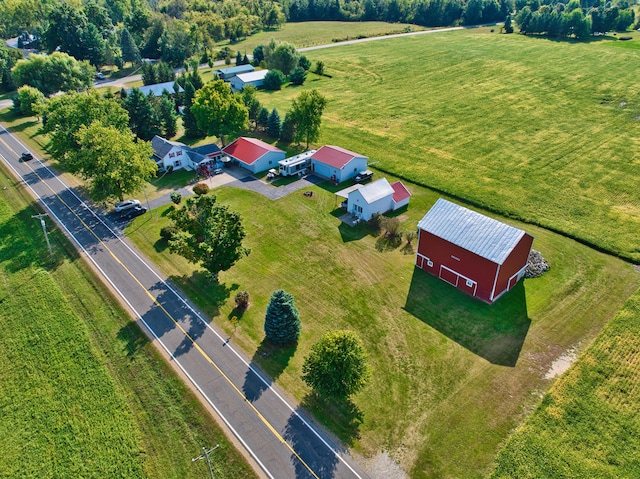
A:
{"points": [[276, 434]]}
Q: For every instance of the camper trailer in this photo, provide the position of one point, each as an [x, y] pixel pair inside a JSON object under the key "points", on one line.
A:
{"points": [[296, 165]]}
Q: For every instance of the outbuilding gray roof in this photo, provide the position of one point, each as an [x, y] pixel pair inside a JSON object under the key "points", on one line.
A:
{"points": [[484, 236], [376, 190]]}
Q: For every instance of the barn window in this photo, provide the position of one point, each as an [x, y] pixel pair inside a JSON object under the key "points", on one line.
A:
{"points": [[430, 263], [469, 283]]}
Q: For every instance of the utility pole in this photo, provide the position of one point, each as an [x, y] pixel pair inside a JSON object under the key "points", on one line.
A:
{"points": [[44, 228], [205, 455]]}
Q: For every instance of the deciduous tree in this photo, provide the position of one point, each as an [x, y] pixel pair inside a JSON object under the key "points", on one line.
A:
{"points": [[66, 114], [337, 365], [112, 161], [282, 321], [31, 100], [273, 80], [306, 111], [53, 73], [218, 111], [209, 234], [298, 76]]}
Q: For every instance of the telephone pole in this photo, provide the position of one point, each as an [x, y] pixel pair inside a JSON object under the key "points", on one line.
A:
{"points": [[205, 455], [44, 228]]}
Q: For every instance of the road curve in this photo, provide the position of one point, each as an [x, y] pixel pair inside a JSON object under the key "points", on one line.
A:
{"points": [[279, 436]]}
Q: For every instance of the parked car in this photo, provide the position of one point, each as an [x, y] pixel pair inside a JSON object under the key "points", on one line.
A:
{"points": [[363, 176], [26, 156], [126, 205], [217, 171], [135, 211], [100, 76]]}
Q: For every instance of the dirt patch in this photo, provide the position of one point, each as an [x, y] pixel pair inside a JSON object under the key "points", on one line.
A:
{"points": [[382, 466], [560, 365]]}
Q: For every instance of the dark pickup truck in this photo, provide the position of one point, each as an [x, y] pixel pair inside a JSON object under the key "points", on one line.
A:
{"points": [[363, 176]]}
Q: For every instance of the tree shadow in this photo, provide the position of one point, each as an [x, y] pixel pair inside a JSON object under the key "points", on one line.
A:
{"points": [[341, 416], [388, 243], [133, 338], [494, 332], [160, 245], [266, 366], [352, 233]]}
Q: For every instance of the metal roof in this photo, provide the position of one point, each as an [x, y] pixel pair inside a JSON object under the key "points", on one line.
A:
{"points": [[234, 70], [376, 190], [335, 156], [252, 76], [484, 236], [158, 88]]}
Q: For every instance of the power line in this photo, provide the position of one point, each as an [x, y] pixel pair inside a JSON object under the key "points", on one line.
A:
{"points": [[205, 455]]}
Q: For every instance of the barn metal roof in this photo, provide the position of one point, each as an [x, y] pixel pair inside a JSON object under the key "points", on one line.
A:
{"points": [[484, 236], [335, 156]]}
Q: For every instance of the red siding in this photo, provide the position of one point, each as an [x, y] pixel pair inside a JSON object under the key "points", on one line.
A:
{"points": [[463, 262], [514, 263]]}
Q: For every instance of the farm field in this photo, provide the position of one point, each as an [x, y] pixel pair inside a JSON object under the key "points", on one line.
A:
{"points": [[452, 376], [84, 394], [587, 425], [527, 127], [309, 34]]}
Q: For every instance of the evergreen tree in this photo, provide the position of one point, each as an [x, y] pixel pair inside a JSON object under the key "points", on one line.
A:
{"points": [[168, 116], [165, 73], [263, 118], [188, 120], [288, 130], [130, 51], [245, 59], [508, 24], [196, 79], [239, 58], [282, 322], [273, 126], [298, 76], [148, 74], [143, 118]]}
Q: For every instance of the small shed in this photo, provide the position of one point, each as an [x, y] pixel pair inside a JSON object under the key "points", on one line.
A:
{"points": [[296, 165], [253, 154], [337, 164], [379, 197], [479, 255], [241, 80], [227, 74]]}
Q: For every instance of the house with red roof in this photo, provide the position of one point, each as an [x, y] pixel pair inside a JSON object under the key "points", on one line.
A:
{"points": [[337, 164], [378, 197], [253, 154], [479, 255]]}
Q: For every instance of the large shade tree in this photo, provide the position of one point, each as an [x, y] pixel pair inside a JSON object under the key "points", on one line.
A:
{"points": [[306, 112], [282, 322], [208, 234], [219, 112], [66, 114], [112, 161], [53, 73], [337, 365]]}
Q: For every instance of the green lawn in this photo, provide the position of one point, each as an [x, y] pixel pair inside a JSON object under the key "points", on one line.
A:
{"points": [[527, 127], [308, 34], [84, 393], [587, 425], [452, 375]]}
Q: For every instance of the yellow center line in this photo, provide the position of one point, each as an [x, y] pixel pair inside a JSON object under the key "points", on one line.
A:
{"points": [[195, 344]]}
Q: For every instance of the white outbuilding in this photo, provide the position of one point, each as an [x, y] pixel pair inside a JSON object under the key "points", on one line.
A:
{"points": [[379, 197], [255, 78]]}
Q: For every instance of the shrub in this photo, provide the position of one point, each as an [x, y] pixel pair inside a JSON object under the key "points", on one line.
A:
{"points": [[391, 227], [201, 189], [168, 232], [298, 76], [320, 68], [409, 236], [242, 300], [176, 197], [273, 80]]}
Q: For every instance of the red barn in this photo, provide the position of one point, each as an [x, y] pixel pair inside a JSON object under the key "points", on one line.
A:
{"points": [[477, 254]]}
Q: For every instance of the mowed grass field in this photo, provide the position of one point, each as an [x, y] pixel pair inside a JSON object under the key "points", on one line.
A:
{"points": [[452, 376], [84, 394], [587, 425], [535, 129]]}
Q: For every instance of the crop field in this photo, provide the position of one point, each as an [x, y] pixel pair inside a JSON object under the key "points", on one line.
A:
{"points": [[84, 394], [535, 129], [453, 376], [587, 425]]}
